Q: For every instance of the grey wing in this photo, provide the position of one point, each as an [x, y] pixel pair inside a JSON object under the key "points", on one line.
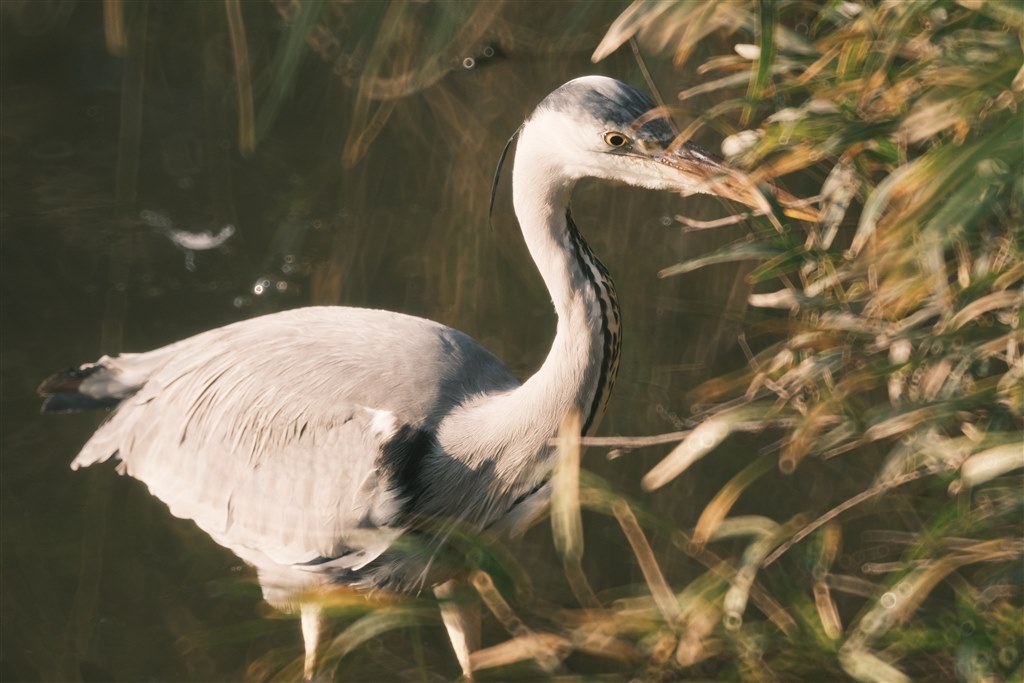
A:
{"points": [[285, 436]]}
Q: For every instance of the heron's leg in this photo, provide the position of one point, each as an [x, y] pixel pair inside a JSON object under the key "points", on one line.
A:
{"points": [[312, 626], [462, 620]]}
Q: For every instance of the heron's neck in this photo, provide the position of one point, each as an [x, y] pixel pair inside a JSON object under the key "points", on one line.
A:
{"points": [[508, 432], [581, 366]]}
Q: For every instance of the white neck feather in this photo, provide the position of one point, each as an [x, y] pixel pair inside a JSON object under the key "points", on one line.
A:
{"points": [[581, 365], [575, 374]]}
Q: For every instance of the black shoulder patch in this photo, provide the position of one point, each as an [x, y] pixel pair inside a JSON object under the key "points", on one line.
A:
{"points": [[401, 464]]}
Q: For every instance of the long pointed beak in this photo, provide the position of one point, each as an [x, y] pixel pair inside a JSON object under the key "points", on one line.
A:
{"points": [[703, 174]]}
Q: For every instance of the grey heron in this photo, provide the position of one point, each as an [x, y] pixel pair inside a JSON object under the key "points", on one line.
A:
{"points": [[314, 442]]}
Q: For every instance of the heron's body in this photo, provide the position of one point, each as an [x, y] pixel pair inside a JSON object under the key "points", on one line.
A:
{"points": [[298, 437], [311, 439], [310, 442]]}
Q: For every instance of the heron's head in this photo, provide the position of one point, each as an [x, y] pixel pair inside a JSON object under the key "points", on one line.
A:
{"points": [[602, 128]]}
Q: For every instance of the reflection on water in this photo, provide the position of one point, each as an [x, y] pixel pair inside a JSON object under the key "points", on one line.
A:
{"points": [[99, 581], [188, 242]]}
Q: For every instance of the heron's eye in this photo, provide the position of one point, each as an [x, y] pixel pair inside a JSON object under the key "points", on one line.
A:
{"points": [[613, 139]]}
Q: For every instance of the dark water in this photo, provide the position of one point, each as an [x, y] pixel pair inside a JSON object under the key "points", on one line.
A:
{"points": [[104, 156]]}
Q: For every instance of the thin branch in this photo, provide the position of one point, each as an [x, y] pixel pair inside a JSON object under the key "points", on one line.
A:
{"points": [[846, 505]]}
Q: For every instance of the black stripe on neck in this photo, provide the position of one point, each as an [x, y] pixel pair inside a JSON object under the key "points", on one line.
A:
{"points": [[581, 250]]}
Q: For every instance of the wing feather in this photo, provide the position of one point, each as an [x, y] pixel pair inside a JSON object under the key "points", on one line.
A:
{"points": [[274, 434]]}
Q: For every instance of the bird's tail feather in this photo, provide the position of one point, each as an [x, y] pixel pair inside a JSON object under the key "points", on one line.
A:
{"points": [[62, 393], [92, 386]]}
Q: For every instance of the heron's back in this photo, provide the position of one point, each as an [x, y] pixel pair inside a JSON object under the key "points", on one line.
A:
{"points": [[287, 437]]}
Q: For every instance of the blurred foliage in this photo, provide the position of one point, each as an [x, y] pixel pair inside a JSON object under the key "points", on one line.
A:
{"points": [[901, 354]]}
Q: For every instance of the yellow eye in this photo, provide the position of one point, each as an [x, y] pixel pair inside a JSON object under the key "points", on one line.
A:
{"points": [[613, 139]]}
